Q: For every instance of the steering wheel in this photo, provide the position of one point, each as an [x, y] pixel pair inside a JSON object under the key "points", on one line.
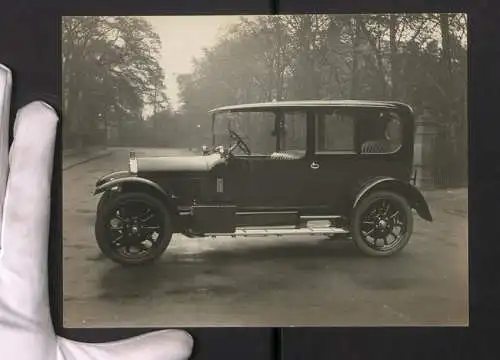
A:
{"points": [[239, 143]]}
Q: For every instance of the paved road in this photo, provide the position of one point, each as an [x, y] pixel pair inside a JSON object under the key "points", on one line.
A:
{"points": [[265, 281]]}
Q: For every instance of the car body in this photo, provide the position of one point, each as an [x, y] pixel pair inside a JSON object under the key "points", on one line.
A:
{"points": [[274, 168]]}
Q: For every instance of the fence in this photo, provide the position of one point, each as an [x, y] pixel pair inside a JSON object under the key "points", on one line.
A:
{"points": [[440, 154]]}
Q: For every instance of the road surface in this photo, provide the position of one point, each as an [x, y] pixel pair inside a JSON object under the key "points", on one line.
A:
{"points": [[264, 281]]}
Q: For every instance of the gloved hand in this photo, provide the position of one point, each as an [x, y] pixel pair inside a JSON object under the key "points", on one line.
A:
{"points": [[26, 331]]}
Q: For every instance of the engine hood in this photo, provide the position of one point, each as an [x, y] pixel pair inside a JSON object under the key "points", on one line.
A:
{"points": [[199, 163]]}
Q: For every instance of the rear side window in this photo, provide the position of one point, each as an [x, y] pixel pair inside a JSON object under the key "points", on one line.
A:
{"points": [[335, 132], [384, 133]]}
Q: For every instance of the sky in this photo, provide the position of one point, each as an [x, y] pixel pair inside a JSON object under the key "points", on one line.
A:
{"points": [[183, 38]]}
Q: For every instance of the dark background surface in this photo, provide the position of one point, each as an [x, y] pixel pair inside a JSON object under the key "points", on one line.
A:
{"points": [[29, 45]]}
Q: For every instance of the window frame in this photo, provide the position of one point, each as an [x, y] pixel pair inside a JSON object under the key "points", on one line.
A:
{"points": [[317, 113], [401, 142], [281, 120], [320, 114], [275, 120]]}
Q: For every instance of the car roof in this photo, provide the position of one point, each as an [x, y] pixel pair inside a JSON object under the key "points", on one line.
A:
{"points": [[312, 103]]}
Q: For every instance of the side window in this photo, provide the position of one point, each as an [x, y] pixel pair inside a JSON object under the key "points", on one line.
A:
{"points": [[385, 134], [256, 128], [334, 132], [294, 133]]}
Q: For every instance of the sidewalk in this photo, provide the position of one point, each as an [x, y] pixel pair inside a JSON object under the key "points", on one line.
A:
{"points": [[73, 158]]}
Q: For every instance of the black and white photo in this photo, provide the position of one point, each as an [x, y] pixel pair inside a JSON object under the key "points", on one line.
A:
{"points": [[285, 170]]}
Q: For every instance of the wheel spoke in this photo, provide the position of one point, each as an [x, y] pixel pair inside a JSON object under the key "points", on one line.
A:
{"points": [[156, 227], [146, 219], [117, 240], [122, 213], [387, 207], [369, 232], [394, 215]]}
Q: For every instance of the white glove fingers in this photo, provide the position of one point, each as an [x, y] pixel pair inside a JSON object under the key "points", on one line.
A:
{"points": [[161, 345], [25, 226], [5, 97]]}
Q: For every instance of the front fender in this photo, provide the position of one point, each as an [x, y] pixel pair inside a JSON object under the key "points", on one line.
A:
{"points": [[112, 176], [407, 190], [129, 179]]}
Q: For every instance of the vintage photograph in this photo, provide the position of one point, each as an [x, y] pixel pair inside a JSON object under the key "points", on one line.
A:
{"points": [[291, 170]]}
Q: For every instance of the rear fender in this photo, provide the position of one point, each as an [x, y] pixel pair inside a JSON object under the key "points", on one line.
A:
{"points": [[414, 197]]}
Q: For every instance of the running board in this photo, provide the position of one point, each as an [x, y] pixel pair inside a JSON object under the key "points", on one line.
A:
{"points": [[283, 232], [320, 217]]}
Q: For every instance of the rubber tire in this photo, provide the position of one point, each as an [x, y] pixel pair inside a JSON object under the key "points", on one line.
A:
{"points": [[100, 232], [363, 205], [102, 201]]}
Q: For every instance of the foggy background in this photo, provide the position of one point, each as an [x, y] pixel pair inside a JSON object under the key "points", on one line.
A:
{"points": [[149, 81]]}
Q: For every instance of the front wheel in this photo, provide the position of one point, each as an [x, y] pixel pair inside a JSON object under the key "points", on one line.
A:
{"points": [[133, 228], [103, 200], [382, 224]]}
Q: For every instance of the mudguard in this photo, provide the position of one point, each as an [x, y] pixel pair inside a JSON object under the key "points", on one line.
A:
{"points": [[112, 176], [410, 192], [128, 179]]}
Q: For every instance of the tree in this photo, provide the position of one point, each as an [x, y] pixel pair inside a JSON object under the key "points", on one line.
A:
{"points": [[110, 73], [420, 59]]}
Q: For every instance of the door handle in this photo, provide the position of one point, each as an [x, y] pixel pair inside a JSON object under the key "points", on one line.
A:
{"points": [[314, 165]]}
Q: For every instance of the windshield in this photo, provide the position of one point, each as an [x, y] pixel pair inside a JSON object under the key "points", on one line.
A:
{"points": [[257, 129]]}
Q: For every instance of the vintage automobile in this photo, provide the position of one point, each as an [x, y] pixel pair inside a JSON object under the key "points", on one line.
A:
{"points": [[325, 167]]}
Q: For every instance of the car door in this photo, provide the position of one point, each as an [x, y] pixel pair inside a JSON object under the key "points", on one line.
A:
{"points": [[340, 163], [334, 162], [275, 183], [276, 180]]}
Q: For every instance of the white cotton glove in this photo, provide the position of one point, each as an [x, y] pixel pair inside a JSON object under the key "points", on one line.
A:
{"points": [[26, 331]]}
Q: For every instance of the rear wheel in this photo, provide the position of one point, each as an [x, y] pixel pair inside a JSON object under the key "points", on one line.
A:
{"points": [[382, 224], [133, 228]]}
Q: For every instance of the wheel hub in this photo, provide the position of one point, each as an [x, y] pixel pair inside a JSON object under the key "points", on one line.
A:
{"points": [[382, 224], [133, 228]]}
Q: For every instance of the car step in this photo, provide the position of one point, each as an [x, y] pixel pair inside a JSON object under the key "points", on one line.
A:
{"points": [[283, 232], [320, 217]]}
